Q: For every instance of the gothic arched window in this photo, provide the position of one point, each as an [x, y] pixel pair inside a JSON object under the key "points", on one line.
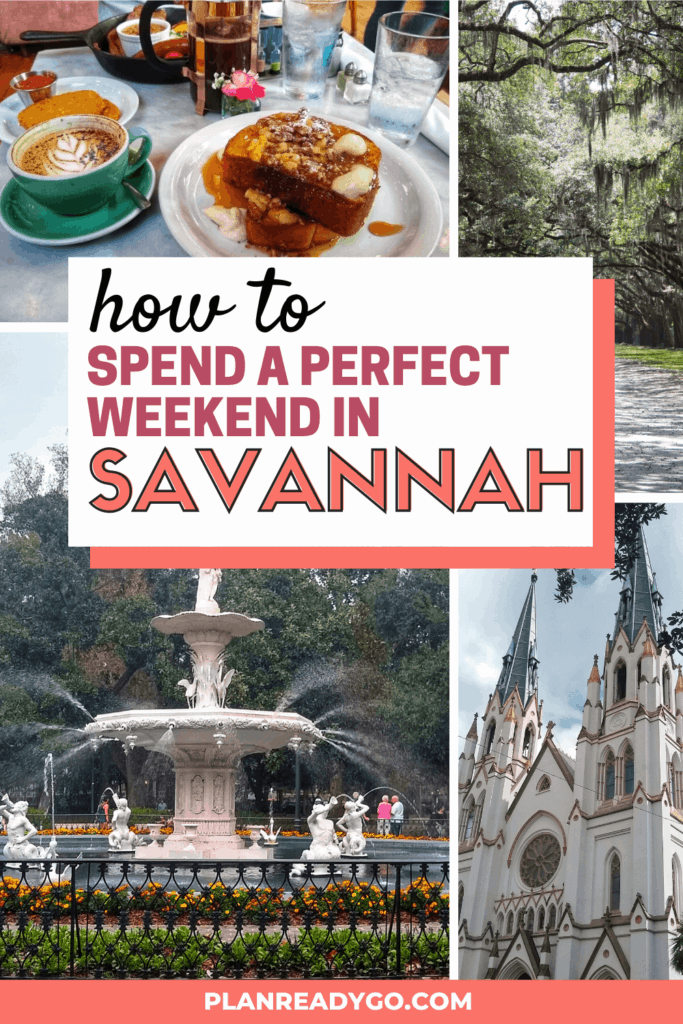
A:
{"points": [[629, 774], [510, 924], [528, 740], [609, 776], [468, 823], [620, 682], [530, 920], [666, 688], [614, 883], [541, 919], [490, 736], [461, 897], [552, 917], [543, 784], [520, 919], [676, 782], [676, 881]]}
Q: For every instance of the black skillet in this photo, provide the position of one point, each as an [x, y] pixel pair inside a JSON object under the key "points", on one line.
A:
{"points": [[120, 67]]}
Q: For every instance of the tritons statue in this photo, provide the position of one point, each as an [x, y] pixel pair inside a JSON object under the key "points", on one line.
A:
{"points": [[19, 831]]}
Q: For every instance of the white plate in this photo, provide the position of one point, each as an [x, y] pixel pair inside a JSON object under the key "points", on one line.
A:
{"points": [[406, 196], [125, 98]]}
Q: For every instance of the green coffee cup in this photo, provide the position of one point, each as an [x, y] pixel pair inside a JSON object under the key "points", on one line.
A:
{"points": [[72, 194]]}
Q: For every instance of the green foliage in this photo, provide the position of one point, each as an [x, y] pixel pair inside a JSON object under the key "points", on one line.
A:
{"points": [[571, 128]]}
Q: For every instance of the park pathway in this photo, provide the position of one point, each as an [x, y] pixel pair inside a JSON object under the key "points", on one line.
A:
{"points": [[649, 428]]}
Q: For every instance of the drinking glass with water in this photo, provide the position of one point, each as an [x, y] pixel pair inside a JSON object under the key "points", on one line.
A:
{"points": [[309, 34], [411, 62]]}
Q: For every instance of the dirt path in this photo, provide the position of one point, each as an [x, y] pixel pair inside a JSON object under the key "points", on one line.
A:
{"points": [[649, 428]]}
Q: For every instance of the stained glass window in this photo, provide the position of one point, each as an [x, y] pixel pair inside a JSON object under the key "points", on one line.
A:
{"points": [[540, 860]]}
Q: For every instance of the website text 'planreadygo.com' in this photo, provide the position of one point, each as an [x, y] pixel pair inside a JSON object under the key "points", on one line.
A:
{"points": [[318, 1000]]}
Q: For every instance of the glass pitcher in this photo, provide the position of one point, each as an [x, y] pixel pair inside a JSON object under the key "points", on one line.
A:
{"points": [[222, 37]]}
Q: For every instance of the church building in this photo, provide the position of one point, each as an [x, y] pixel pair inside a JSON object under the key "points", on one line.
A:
{"points": [[571, 868]]}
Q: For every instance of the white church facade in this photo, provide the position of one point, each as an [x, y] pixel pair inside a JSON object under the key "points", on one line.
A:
{"points": [[571, 868]]}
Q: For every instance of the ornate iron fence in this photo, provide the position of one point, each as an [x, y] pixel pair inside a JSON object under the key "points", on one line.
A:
{"points": [[123, 918]]}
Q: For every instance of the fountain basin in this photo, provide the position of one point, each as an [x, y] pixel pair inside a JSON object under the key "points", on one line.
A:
{"points": [[205, 746]]}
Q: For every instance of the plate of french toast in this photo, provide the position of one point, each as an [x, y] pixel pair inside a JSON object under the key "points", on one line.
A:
{"points": [[293, 183]]}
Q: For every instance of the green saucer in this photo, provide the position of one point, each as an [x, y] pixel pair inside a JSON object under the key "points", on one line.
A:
{"points": [[23, 217]]}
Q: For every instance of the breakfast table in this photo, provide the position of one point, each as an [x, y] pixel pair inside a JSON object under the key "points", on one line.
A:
{"points": [[35, 276]]}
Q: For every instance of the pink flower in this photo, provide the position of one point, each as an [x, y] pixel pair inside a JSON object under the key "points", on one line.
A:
{"points": [[244, 86]]}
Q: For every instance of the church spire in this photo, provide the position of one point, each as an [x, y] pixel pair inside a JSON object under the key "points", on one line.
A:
{"points": [[639, 598], [520, 665]]}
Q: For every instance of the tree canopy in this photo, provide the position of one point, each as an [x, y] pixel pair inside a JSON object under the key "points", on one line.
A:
{"points": [[570, 144]]}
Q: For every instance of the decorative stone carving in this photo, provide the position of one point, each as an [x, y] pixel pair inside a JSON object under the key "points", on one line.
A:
{"points": [[197, 794], [615, 722], [218, 794]]}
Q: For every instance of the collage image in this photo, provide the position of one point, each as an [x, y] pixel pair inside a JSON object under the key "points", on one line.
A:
{"points": [[235, 776], [570, 826]]}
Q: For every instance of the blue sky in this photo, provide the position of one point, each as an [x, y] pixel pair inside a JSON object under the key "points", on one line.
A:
{"points": [[33, 395], [568, 635]]}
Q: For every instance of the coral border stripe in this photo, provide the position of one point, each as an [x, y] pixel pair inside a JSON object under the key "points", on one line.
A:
{"points": [[599, 555]]}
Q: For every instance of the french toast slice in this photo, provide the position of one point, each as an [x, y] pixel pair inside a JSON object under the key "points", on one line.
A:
{"points": [[272, 225], [324, 171]]}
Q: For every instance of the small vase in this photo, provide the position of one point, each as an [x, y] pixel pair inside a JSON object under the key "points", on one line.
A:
{"points": [[231, 105]]}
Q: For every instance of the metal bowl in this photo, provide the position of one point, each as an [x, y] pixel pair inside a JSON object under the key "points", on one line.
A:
{"points": [[29, 96]]}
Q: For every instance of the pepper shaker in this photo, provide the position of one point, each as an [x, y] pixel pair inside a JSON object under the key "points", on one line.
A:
{"points": [[343, 76], [357, 89]]}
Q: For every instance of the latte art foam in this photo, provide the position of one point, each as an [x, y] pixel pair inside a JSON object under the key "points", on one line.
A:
{"points": [[69, 152]]}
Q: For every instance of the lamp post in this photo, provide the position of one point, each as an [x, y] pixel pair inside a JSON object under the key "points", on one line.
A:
{"points": [[295, 743]]}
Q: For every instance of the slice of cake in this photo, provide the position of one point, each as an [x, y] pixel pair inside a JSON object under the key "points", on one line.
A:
{"points": [[322, 171]]}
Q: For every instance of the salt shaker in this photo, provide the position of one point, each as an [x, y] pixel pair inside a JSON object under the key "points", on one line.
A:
{"points": [[335, 60], [343, 76], [357, 89]]}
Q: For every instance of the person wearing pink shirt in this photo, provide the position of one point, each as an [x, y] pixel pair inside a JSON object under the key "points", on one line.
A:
{"points": [[383, 816]]}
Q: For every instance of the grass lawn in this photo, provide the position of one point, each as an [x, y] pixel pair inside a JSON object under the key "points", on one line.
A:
{"points": [[667, 358]]}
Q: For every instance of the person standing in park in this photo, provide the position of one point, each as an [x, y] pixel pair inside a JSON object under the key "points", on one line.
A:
{"points": [[383, 816], [105, 809], [396, 816]]}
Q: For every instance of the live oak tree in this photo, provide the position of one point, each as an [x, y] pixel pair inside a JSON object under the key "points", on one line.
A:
{"points": [[570, 144]]}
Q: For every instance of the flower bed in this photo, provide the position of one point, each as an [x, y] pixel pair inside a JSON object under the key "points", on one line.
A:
{"points": [[219, 903]]}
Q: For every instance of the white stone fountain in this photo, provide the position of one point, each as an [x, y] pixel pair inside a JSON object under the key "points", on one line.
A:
{"points": [[206, 740]]}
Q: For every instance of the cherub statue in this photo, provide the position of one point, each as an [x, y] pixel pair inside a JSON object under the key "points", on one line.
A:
{"points": [[19, 831]]}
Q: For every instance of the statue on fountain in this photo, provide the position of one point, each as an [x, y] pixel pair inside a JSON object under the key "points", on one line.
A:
{"points": [[121, 838], [351, 823], [324, 845], [206, 589], [19, 831]]}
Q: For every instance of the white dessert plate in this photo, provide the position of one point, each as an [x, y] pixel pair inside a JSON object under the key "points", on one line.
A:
{"points": [[125, 98], [406, 196]]}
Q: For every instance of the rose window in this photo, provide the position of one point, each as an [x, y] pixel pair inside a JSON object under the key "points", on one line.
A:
{"points": [[540, 860]]}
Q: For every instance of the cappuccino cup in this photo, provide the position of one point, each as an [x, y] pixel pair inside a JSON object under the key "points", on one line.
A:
{"points": [[74, 164]]}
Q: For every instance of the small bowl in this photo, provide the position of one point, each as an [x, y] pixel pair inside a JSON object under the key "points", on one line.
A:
{"points": [[29, 96], [131, 41]]}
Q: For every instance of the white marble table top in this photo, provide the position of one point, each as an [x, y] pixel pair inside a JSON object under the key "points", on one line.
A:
{"points": [[34, 277]]}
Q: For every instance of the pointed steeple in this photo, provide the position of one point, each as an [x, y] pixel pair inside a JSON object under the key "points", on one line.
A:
{"points": [[520, 665], [639, 598]]}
